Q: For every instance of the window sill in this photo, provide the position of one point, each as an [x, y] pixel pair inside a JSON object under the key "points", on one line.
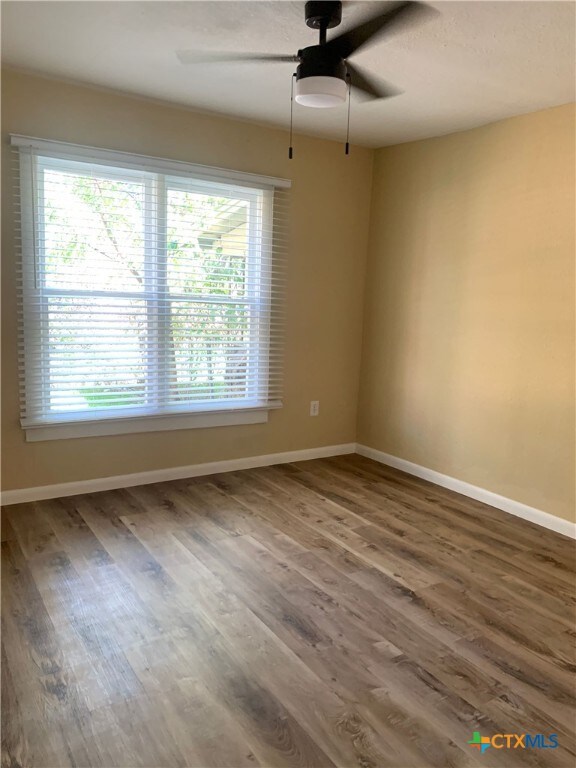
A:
{"points": [[125, 426]]}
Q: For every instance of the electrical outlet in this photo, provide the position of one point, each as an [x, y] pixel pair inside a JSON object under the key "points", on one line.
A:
{"points": [[314, 407]]}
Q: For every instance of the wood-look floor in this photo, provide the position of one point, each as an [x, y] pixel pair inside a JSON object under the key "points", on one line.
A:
{"points": [[326, 613]]}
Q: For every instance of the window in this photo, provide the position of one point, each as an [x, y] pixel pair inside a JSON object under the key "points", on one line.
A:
{"points": [[151, 293]]}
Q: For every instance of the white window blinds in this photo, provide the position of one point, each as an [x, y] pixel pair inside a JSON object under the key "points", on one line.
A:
{"points": [[149, 288]]}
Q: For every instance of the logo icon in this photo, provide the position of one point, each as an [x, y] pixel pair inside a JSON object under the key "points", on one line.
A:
{"points": [[480, 742], [513, 741]]}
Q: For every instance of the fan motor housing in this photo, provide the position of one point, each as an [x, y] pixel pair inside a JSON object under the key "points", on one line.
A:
{"points": [[315, 61], [323, 15]]}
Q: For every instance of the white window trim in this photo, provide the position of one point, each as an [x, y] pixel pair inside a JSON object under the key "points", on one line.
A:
{"points": [[117, 425], [135, 424], [62, 149]]}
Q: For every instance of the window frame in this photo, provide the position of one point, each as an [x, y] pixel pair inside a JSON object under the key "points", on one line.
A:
{"points": [[172, 175]]}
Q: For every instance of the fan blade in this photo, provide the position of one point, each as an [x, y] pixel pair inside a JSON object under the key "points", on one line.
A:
{"points": [[209, 57], [371, 87], [349, 42]]}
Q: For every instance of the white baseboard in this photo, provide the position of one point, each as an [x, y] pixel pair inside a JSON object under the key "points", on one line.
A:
{"points": [[58, 490], [172, 473], [538, 516]]}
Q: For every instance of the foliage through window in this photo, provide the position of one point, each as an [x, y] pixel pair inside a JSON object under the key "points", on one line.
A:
{"points": [[145, 293]]}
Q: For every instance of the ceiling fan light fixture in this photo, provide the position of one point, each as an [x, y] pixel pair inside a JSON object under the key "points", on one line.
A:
{"points": [[321, 91]]}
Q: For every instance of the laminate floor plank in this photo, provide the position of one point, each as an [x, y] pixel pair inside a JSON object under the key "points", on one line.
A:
{"points": [[431, 518], [326, 613], [423, 490]]}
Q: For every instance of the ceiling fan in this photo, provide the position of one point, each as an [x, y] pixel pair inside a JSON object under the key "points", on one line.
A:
{"points": [[324, 70]]}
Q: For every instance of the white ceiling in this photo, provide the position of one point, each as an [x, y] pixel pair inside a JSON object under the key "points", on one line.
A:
{"points": [[473, 63]]}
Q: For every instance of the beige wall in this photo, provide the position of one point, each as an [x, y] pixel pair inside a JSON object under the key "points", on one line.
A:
{"points": [[331, 203], [468, 358], [468, 347]]}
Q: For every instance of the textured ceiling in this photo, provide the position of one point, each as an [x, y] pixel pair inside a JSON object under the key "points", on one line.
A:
{"points": [[473, 63]]}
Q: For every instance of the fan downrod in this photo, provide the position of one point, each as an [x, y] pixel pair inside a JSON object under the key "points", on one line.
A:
{"points": [[323, 15]]}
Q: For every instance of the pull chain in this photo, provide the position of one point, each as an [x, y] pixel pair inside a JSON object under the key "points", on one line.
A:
{"points": [[348, 125], [290, 149]]}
